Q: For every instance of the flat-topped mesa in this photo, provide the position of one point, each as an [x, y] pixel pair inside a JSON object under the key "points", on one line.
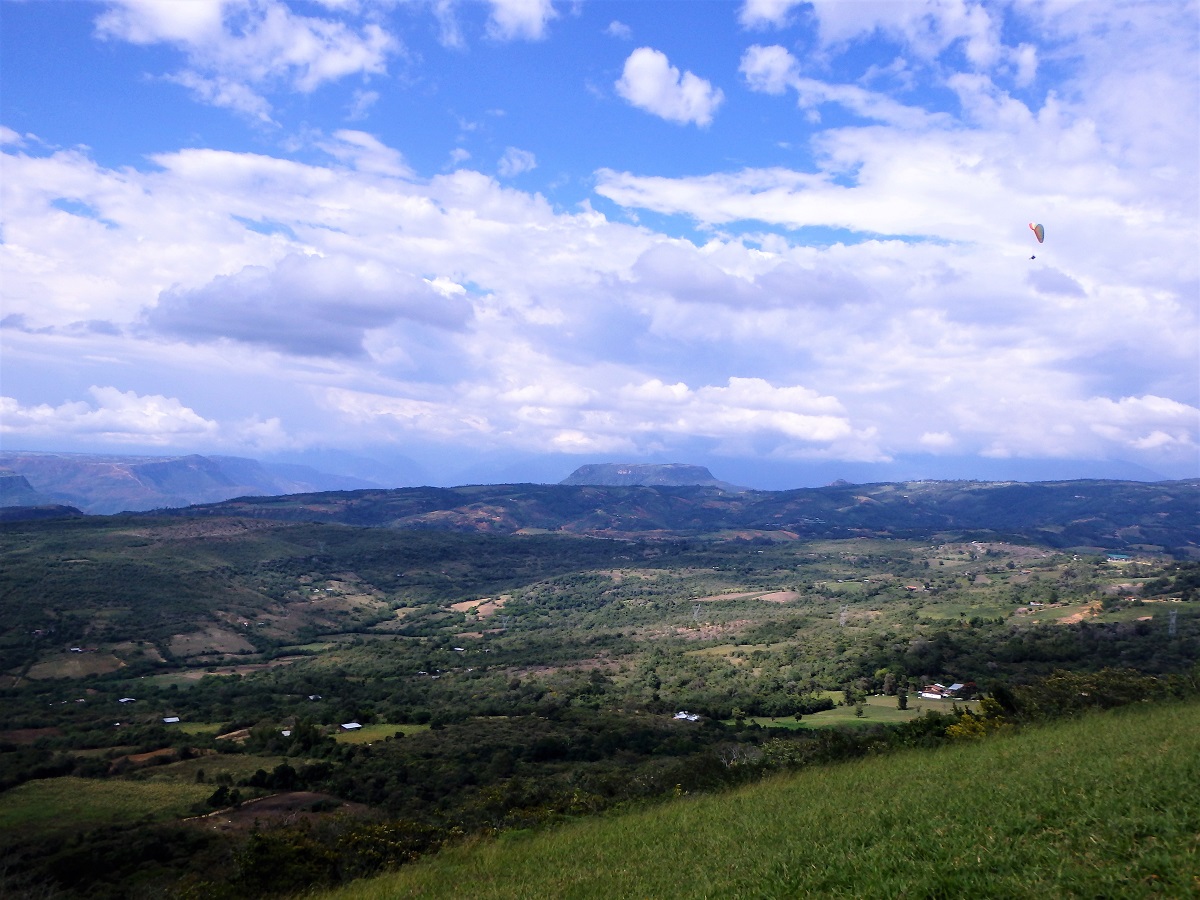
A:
{"points": [[646, 474]]}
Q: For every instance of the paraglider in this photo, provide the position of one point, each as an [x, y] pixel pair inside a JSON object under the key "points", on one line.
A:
{"points": [[1039, 232]]}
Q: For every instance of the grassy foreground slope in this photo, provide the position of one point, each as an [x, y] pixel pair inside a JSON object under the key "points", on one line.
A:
{"points": [[1103, 806]]}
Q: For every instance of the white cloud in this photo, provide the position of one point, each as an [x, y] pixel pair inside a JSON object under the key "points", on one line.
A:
{"points": [[515, 161], [766, 13], [619, 30], [365, 304], [238, 49], [926, 28], [363, 101], [651, 83], [113, 416], [937, 441], [634, 417], [513, 19], [773, 70], [366, 153], [307, 305]]}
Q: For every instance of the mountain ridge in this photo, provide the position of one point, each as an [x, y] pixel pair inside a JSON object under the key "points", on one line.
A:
{"points": [[1102, 515], [102, 484]]}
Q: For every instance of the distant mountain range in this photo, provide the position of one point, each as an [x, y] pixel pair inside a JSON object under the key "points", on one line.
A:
{"points": [[101, 484]]}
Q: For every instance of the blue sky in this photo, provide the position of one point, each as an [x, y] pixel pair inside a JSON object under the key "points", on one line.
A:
{"points": [[475, 241]]}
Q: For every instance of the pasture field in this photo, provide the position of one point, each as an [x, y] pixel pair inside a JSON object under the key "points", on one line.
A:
{"points": [[379, 731], [1092, 807], [59, 805], [213, 767], [877, 709]]}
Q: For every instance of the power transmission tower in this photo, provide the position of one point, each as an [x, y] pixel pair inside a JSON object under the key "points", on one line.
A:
{"points": [[1171, 623]]}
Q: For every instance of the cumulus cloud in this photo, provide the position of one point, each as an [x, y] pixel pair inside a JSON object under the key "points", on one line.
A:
{"points": [[237, 50], [515, 161], [636, 416], [874, 300], [651, 83], [767, 13], [680, 271], [308, 305], [1052, 281], [513, 19], [925, 28], [113, 415]]}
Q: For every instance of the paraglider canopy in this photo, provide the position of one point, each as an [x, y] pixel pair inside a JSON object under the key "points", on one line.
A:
{"points": [[1039, 231]]}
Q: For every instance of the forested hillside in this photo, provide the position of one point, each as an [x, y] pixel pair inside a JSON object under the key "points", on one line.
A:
{"points": [[1110, 515]]}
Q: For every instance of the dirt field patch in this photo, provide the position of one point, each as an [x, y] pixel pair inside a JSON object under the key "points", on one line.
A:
{"points": [[212, 639], [26, 736], [780, 597], [75, 665], [140, 759], [246, 669], [487, 606], [708, 632], [767, 596], [1092, 609], [714, 598], [203, 528]]}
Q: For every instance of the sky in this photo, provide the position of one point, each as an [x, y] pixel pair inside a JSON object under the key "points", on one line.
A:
{"points": [[446, 242]]}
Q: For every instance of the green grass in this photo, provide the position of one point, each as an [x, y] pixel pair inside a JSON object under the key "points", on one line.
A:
{"points": [[236, 766], [56, 805], [877, 710], [370, 733], [1103, 806]]}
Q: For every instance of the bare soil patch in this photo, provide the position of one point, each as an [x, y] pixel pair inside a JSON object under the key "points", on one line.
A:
{"points": [[780, 597], [202, 528], [74, 665], [1091, 609], [212, 639], [26, 736], [708, 632], [245, 669], [487, 606], [140, 759], [713, 598]]}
